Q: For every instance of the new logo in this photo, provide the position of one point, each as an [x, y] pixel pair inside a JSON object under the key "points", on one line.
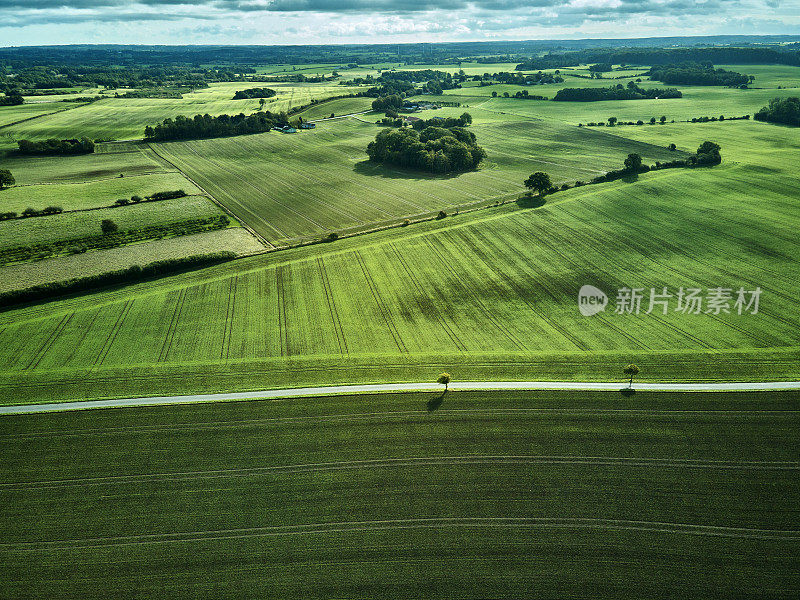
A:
{"points": [[591, 300]]}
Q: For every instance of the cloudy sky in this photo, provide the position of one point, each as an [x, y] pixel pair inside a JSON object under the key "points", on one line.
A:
{"points": [[29, 22]]}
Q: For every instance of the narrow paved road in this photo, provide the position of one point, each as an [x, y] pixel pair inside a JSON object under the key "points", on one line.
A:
{"points": [[401, 387]]}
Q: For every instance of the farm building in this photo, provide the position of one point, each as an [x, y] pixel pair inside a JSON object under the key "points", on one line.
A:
{"points": [[307, 125]]}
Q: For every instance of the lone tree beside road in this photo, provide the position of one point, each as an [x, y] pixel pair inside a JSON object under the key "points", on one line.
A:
{"points": [[631, 370], [444, 379], [538, 181], [6, 179]]}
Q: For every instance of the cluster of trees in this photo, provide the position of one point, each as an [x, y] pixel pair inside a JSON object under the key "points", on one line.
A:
{"points": [[11, 99], [520, 79], [254, 93], [781, 110], [698, 74], [206, 126], [56, 147], [447, 122], [614, 92], [387, 103], [604, 67], [434, 149], [131, 274], [6, 179]]}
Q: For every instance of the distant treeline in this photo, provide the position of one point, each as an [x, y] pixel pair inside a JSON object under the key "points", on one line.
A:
{"points": [[697, 74], [254, 93], [171, 93], [129, 275], [615, 92], [56, 147], [206, 126], [12, 99], [781, 110], [664, 56], [436, 149]]}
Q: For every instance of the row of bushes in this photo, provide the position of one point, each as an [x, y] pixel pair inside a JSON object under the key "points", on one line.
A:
{"points": [[719, 118], [618, 92], [707, 155], [56, 147], [55, 210], [112, 240], [129, 275]]}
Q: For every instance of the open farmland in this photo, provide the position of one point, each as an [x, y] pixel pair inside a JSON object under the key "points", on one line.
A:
{"points": [[364, 496], [500, 282], [298, 186], [126, 118]]}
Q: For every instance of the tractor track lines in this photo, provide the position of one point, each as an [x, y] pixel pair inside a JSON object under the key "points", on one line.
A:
{"points": [[441, 523], [410, 462]]}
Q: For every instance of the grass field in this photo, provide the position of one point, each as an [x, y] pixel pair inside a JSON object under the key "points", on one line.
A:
{"points": [[126, 118], [492, 495], [298, 186]]}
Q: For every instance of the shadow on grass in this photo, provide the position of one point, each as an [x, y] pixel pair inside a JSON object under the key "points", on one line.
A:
{"points": [[367, 167], [627, 392], [435, 402], [531, 201]]}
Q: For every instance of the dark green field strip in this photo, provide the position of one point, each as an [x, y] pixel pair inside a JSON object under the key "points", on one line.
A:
{"points": [[526, 486], [509, 562]]}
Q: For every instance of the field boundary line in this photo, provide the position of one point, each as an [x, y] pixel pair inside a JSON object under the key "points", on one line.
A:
{"points": [[764, 386], [225, 209]]}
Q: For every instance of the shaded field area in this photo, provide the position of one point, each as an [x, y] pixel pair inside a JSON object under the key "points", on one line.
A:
{"points": [[290, 187], [20, 276], [65, 226], [365, 496]]}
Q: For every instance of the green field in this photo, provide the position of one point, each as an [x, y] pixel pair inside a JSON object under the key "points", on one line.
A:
{"points": [[492, 495], [126, 118], [501, 282], [298, 186], [484, 293]]}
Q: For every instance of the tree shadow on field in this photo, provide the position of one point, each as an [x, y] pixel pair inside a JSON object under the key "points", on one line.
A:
{"points": [[531, 201], [367, 167], [632, 178], [435, 402], [627, 392]]}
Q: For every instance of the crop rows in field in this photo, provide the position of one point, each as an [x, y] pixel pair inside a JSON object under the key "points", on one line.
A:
{"points": [[298, 186], [502, 283], [338, 497]]}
